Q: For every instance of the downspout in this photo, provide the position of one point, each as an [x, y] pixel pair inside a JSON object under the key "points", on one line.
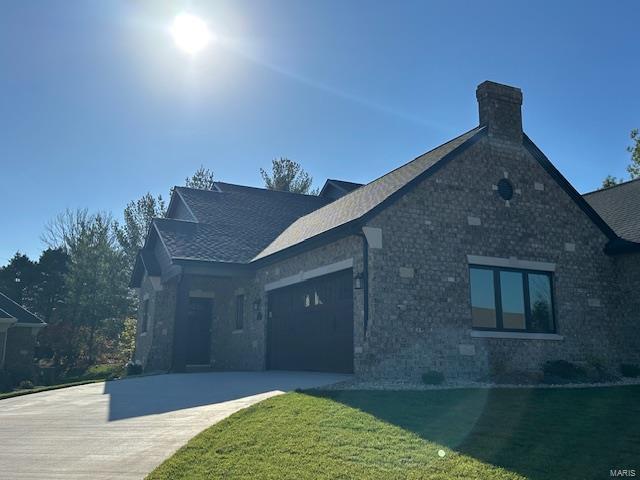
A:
{"points": [[365, 280]]}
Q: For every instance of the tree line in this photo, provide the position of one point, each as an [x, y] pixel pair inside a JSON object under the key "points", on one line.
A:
{"points": [[79, 284]]}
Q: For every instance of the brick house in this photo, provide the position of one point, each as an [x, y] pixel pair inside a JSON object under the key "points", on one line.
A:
{"points": [[476, 255], [18, 330]]}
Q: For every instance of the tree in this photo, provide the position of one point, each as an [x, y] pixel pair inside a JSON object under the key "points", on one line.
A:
{"points": [[288, 176], [138, 215], [17, 278], [611, 181], [96, 280], [633, 168], [202, 179]]}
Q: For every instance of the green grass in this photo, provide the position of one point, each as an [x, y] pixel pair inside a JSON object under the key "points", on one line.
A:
{"points": [[41, 388], [93, 374], [485, 434]]}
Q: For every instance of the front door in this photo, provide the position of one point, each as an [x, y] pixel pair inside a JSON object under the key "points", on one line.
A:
{"points": [[199, 331]]}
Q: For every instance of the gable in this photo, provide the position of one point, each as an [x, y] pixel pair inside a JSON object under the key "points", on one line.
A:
{"points": [[459, 206]]}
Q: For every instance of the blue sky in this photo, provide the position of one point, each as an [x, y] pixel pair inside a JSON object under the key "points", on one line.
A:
{"points": [[99, 106]]}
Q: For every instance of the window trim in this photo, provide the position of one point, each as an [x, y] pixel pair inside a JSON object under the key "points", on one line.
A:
{"points": [[527, 300]]}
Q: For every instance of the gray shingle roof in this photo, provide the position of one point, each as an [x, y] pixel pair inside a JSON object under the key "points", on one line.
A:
{"points": [[14, 310], [619, 206], [361, 200], [234, 222]]}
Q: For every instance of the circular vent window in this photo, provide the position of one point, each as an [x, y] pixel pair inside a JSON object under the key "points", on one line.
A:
{"points": [[505, 189]]}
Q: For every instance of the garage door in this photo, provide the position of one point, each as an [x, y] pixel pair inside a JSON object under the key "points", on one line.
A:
{"points": [[311, 325]]}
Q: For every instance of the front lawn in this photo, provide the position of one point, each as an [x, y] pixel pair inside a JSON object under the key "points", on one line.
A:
{"points": [[438, 434]]}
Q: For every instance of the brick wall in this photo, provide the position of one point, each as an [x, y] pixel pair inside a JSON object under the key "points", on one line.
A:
{"points": [[424, 322]]}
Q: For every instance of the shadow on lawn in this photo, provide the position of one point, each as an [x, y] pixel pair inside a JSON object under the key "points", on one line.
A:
{"points": [[539, 433]]}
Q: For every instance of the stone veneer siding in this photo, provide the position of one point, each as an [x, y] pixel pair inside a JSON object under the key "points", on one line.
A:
{"points": [[424, 322], [155, 347], [420, 312]]}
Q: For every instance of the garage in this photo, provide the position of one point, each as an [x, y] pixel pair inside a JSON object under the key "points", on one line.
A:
{"points": [[310, 325]]}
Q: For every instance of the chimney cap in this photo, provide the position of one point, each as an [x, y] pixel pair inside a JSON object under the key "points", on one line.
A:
{"points": [[499, 91]]}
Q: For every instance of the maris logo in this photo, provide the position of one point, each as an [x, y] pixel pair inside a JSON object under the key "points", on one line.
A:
{"points": [[622, 473]]}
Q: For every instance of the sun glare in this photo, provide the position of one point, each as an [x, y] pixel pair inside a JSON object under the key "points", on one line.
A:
{"points": [[190, 33]]}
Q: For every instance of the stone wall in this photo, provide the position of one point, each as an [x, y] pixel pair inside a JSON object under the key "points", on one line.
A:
{"points": [[421, 315], [154, 348], [232, 348]]}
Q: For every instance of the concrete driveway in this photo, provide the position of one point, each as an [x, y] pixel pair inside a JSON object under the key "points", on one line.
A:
{"points": [[124, 429]]}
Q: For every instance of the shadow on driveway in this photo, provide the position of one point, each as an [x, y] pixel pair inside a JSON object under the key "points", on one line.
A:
{"points": [[156, 394]]}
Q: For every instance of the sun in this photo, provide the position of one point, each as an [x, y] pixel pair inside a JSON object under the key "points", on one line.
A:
{"points": [[190, 33]]}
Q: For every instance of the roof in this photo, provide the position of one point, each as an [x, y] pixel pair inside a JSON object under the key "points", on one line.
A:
{"points": [[362, 200], [10, 309], [337, 188], [233, 222], [619, 206]]}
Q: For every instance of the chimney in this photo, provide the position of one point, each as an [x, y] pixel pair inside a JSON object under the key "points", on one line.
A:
{"points": [[500, 111]]}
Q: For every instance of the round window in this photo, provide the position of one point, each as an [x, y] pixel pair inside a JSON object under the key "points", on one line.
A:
{"points": [[505, 189]]}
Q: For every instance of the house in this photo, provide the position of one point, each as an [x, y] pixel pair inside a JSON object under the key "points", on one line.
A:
{"points": [[18, 330], [474, 257]]}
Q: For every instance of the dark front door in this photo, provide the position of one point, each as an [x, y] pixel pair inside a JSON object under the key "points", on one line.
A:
{"points": [[311, 325], [199, 331]]}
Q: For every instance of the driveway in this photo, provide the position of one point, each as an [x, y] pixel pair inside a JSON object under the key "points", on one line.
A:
{"points": [[124, 429]]}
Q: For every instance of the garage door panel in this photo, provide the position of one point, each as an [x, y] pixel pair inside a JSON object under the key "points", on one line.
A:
{"points": [[311, 325]]}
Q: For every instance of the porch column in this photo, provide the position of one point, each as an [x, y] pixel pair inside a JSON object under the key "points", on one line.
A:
{"points": [[180, 325]]}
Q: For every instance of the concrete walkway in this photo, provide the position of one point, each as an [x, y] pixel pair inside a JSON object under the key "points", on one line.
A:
{"points": [[124, 429]]}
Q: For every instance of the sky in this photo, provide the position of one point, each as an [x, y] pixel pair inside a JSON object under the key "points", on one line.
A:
{"points": [[99, 106]]}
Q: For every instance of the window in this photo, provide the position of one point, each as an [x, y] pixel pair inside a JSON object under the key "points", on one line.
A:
{"points": [[145, 316], [239, 312], [512, 300]]}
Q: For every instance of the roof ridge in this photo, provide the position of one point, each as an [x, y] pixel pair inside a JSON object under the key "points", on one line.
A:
{"points": [[268, 189], [598, 190], [246, 186], [353, 192]]}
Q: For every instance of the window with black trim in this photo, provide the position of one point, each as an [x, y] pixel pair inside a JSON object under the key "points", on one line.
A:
{"points": [[511, 300], [145, 316], [239, 312]]}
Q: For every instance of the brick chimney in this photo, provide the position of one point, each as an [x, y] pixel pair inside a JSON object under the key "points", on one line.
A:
{"points": [[500, 110]]}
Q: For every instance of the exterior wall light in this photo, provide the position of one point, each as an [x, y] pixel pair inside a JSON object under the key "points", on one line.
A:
{"points": [[358, 281]]}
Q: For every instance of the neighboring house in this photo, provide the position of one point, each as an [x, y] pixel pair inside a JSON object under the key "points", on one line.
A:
{"points": [[475, 256], [18, 330]]}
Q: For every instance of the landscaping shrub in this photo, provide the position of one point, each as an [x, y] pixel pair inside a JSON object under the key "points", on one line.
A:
{"points": [[133, 368], [25, 385], [629, 370], [561, 371], [432, 378]]}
